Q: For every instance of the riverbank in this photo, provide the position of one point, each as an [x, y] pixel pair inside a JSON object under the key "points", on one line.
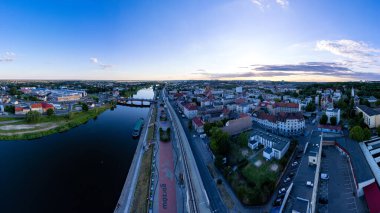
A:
{"points": [[20, 130]]}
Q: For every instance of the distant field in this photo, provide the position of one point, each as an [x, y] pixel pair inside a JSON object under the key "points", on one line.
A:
{"points": [[19, 129]]}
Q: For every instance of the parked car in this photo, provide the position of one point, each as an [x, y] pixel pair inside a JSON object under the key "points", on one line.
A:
{"points": [[295, 163], [309, 183], [281, 191], [277, 202], [287, 180], [291, 174], [324, 176]]}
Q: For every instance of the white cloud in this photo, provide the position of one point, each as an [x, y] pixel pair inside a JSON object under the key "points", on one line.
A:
{"points": [[94, 60], [282, 3], [266, 3], [8, 57], [356, 51], [100, 64], [258, 3]]}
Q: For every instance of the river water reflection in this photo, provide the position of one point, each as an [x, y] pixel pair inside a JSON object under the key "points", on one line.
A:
{"points": [[82, 170]]}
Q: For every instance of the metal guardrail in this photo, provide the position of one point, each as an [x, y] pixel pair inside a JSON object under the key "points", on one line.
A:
{"points": [[193, 205]]}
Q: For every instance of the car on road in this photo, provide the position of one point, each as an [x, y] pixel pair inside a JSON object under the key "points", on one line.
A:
{"points": [[287, 180], [291, 174], [281, 191], [295, 163], [309, 183], [324, 176]]}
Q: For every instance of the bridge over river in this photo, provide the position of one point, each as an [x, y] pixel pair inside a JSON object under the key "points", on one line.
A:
{"points": [[136, 102]]}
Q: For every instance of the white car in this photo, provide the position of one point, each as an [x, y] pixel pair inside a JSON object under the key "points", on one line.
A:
{"points": [[309, 183], [281, 191], [324, 176], [294, 163], [286, 180]]}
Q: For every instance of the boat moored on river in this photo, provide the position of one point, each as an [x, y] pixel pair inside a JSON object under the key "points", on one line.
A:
{"points": [[138, 127]]}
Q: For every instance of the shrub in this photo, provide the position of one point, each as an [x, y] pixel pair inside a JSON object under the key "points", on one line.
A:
{"points": [[33, 117]]}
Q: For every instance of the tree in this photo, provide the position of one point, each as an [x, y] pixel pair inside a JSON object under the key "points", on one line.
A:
{"points": [[13, 91], [95, 98], [323, 119], [9, 108], [70, 115], [310, 107], [219, 141], [366, 134], [333, 121], [85, 107], [33, 116], [50, 112], [243, 139], [356, 133]]}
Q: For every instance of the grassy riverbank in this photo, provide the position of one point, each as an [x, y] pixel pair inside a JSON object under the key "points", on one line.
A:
{"points": [[140, 201], [49, 125]]}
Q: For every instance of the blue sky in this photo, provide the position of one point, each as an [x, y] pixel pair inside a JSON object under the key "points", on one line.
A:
{"points": [[300, 40]]}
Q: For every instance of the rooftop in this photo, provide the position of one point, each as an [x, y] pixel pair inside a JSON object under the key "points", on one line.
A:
{"points": [[369, 111], [279, 142]]}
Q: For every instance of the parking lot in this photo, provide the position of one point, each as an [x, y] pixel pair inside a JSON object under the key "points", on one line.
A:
{"points": [[339, 189]]}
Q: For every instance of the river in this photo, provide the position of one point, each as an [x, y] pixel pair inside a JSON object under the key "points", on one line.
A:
{"points": [[81, 170]]}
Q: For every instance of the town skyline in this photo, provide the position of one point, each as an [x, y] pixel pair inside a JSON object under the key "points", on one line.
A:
{"points": [[314, 41]]}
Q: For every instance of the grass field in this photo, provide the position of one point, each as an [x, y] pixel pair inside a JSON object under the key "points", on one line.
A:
{"points": [[140, 201], [254, 184], [59, 124]]}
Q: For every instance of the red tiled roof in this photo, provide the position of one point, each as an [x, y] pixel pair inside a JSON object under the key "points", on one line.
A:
{"points": [[47, 105], [240, 101], [283, 116], [178, 95], [288, 105], [198, 121], [36, 105], [265, 116], [18, 109], [191, 106], [372, 195]]}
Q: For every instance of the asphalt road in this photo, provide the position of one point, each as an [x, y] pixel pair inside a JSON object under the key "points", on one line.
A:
{"points": [[216, 202]]}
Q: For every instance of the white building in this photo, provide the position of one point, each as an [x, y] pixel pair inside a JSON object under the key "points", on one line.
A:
{"points": [[243, 108], [190, 110], [371, 116], [283, 123], [275, 146], [331, 112], [239, 89]]}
